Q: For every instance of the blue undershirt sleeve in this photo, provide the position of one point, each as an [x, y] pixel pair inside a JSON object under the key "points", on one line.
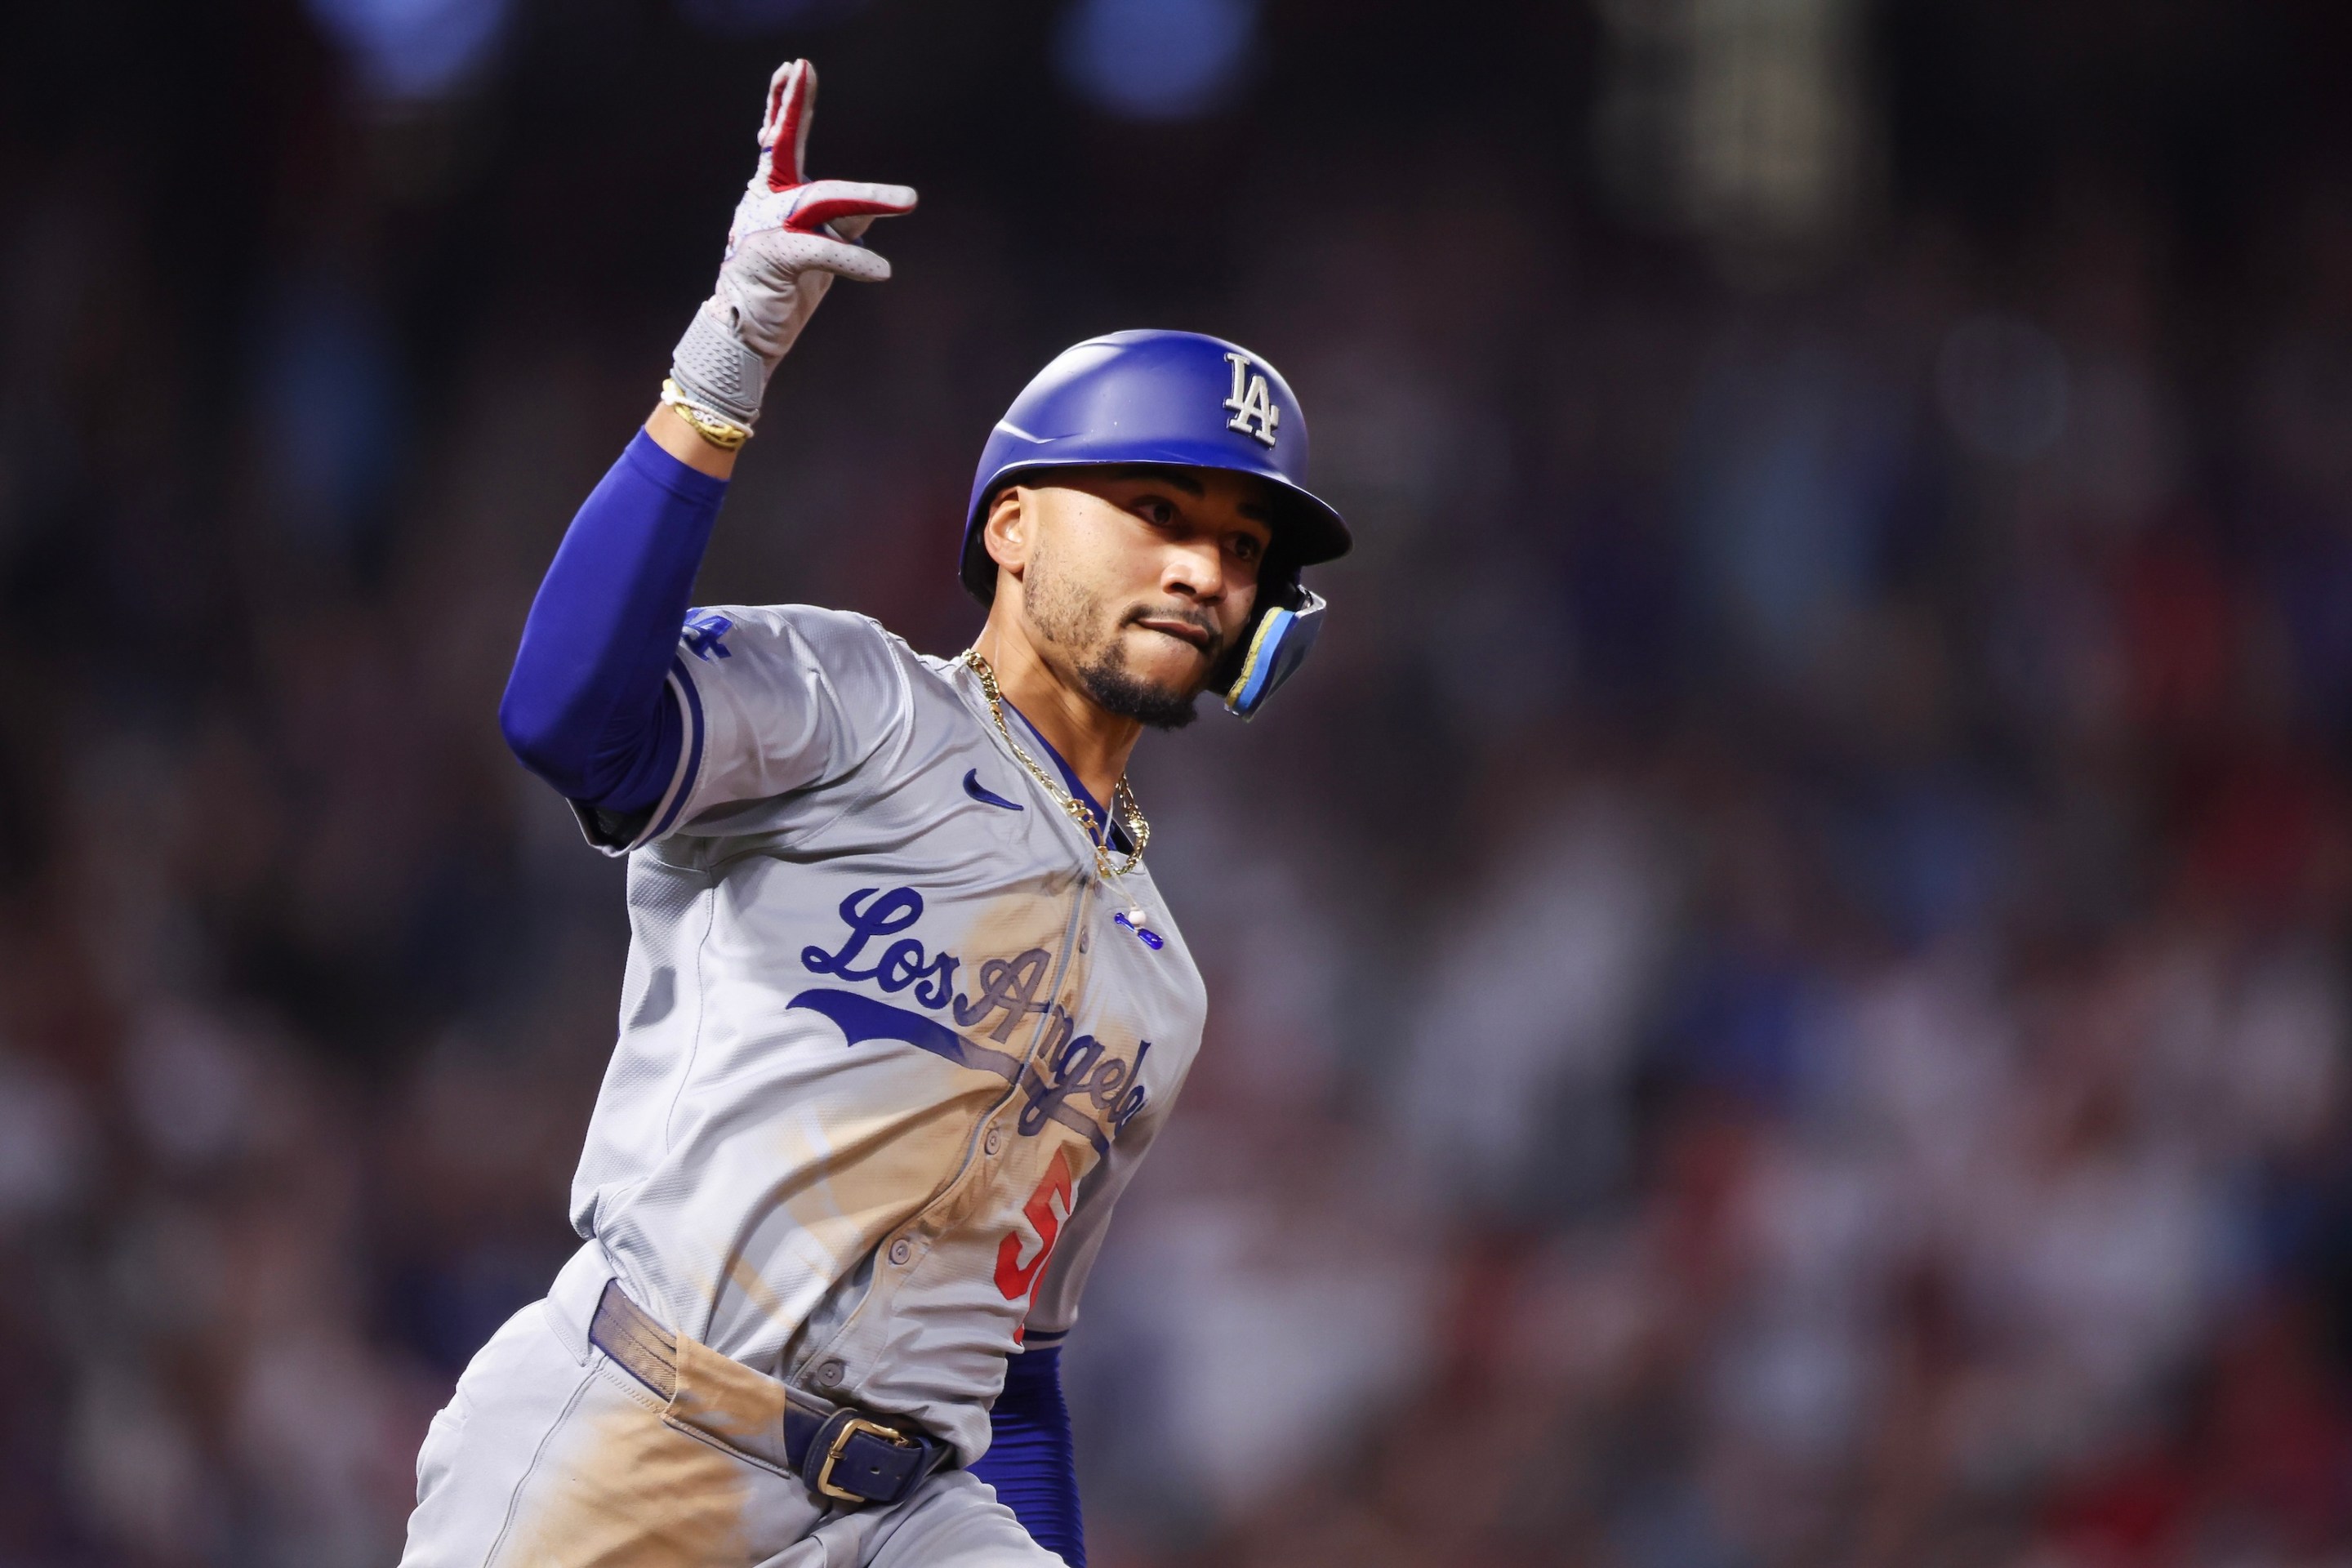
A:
{"points": [[1030, 1461], [585, 707]]}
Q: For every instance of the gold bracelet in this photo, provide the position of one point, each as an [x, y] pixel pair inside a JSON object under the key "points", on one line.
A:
{"points": [[715, 428]]}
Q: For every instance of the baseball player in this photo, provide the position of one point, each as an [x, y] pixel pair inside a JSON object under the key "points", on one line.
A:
{"points": [[903, 1010]]}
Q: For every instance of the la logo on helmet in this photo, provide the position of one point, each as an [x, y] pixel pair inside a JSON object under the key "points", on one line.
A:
{"points": [[1252, 401]]}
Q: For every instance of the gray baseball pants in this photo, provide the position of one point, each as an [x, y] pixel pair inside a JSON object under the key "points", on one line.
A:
{"points": [[552, 1456]]}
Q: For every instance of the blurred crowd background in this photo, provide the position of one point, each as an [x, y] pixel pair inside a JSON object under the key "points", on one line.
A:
{"points": [[1779, 985]]}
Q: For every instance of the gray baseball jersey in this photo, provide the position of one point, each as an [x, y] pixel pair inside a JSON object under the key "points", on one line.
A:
{"points": [[890, 1044]]}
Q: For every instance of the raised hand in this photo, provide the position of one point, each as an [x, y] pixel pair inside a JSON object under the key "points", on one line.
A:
{"points": [[790, 237]]}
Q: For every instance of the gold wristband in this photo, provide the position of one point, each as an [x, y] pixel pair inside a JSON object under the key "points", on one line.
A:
{"points": [[715, 428]]}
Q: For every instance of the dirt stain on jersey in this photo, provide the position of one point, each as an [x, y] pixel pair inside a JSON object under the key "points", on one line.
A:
{"points": [[620, 1489]]}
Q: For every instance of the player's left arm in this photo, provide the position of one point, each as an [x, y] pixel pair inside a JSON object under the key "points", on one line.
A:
{"points": [[1032, 1457]]}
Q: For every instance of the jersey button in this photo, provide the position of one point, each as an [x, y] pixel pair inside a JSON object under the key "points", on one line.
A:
{"points": [[901, 1250], [830, 1373], [995, 1140]]}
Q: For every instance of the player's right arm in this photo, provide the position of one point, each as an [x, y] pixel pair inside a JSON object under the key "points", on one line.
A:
{"points": [[592, 705]]}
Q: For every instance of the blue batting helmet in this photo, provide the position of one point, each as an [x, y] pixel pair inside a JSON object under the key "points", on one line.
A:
{"points": [[1183, 400]]}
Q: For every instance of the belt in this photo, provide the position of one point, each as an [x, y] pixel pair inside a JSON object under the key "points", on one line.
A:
{"points": [[845, 1456]]}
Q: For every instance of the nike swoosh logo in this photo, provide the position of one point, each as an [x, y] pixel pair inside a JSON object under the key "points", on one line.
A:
{"points": [[979, 791]]}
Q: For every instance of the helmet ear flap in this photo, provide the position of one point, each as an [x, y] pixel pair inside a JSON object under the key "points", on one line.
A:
{"points": [[1278, 644], [1278, 589], [978, 570]]}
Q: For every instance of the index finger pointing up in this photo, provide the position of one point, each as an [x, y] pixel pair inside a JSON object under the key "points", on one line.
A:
{"points": [[784, 134]]}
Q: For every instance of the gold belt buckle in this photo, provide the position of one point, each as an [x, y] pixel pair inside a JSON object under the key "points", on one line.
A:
{"points": [[850, 1428]]}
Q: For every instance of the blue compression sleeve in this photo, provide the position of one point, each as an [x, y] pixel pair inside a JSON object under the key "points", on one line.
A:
{"points": [[585, 709], [1029, 1459]]}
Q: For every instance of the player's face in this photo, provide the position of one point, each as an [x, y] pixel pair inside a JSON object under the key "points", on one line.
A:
{"points": [[1135, 582]]}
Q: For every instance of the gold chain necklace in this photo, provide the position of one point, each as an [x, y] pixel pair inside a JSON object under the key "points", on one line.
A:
{"points": [[1123, 797]]}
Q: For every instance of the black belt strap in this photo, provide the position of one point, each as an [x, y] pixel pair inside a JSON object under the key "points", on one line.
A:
{"points": [[845, 1457]]}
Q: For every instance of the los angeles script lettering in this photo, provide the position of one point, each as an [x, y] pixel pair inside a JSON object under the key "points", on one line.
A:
{"points": [[1007, 992]]}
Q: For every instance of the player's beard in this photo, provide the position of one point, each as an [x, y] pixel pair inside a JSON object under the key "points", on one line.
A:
{"points": [[1068, 614]]}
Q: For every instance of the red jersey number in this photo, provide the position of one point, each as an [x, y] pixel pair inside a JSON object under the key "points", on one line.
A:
{"points": [[1014, 1278]]}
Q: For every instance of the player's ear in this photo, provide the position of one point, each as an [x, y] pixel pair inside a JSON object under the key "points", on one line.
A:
{"points": [[1009, 529]]}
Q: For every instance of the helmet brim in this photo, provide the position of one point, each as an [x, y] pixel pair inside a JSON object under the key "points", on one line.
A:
{"points": [[1306, 529]]}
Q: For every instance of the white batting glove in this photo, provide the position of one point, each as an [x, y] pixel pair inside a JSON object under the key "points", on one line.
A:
{"points": [[792, 235]]}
